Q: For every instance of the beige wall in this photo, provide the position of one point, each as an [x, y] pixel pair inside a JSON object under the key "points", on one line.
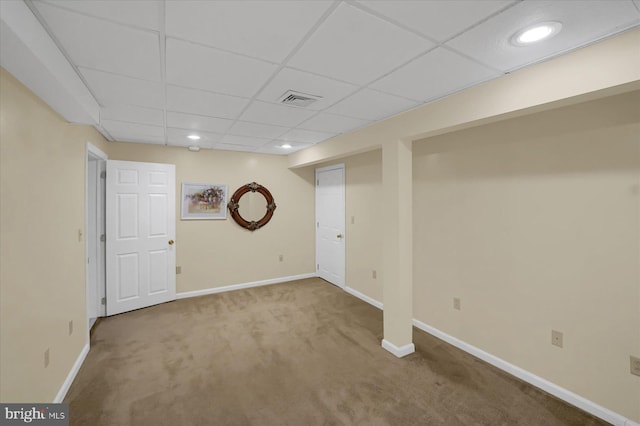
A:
{"points": [[364, 237], [215, 253], [534, 224], [42, 273]]}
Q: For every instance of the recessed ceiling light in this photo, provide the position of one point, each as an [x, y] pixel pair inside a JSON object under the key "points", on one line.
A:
{"points": [[194, 137], [536, 33], [285, 146], [194, 148]]}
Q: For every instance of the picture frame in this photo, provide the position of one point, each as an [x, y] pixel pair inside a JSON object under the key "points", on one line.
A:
{"points": [[203, 201]]}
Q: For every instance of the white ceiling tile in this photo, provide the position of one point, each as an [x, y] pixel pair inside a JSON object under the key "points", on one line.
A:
{"points": [[267, 30], [305, 136], [138, 13], [200, 67], [278, 115], [357, 47], [198, 122], [371, 105], [243, 128], [276, 148], [180, 99], [234, 147], [133, 114], [243, 140], [124, 131], [582, 21], [333, 123], [438, 73], [178, 137], [330, 90], [99, 44], [439, 19], [113, 89]]}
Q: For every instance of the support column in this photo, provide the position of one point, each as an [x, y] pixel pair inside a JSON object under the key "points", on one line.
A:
{"points": [[397, 224]]}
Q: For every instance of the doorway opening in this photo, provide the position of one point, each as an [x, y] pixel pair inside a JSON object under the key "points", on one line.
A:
{"points": [[95, 190]]}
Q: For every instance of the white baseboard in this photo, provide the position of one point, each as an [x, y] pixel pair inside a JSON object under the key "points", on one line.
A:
{"points": [[539, 382], [214, 290], [72, 375], [364, 297], [401, 351]]}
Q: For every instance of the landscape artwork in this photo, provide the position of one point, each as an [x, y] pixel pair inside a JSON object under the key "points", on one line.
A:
{"points": [[204, 201]]}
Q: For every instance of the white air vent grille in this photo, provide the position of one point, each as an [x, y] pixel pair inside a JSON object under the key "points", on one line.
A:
{"points": [[298, 99]]}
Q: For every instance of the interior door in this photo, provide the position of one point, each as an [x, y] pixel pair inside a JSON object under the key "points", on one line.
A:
{"points": [[330, 224], [141, 255]]}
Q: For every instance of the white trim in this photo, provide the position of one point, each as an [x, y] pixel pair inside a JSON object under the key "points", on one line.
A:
{"points": [[539, 382], [72, 375], [364, 297], [214, 290], [96, 152], [401, 351], [91, 151]]}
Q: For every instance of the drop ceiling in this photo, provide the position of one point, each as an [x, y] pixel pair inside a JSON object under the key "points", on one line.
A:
{"points": [[162, 70]]}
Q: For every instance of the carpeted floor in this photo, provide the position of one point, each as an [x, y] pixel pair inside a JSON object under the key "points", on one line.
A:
{"points": [[298, 353]]}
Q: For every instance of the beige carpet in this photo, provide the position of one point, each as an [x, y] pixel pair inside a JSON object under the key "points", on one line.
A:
{"points": [[298, 353]]}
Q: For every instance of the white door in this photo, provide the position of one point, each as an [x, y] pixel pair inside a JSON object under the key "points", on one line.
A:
{"points": [[330, 214], [141, 257]]}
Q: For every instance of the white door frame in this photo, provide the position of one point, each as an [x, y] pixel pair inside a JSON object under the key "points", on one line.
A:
{"points": [[339, 166], [97, 210]]}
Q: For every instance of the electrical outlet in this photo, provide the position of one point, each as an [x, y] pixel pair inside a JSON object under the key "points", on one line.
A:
{"points": [[178, 270], [456, 303], [374, 274], [70, 327], [635, 365], [46, 358], [281, 258], [556, 338]]}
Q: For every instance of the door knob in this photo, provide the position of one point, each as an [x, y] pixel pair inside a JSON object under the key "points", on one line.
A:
{"points": [[339, 236], [171, 242]]}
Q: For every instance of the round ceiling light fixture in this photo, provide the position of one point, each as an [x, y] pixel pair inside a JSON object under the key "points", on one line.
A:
{"points": [[536, 33], [285, 146], [194, 148], [194, 137]]}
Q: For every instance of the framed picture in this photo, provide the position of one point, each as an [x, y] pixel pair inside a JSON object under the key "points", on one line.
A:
{"points": [[204, 201]]}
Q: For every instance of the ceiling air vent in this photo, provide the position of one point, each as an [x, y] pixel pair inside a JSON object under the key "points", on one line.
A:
{"points": [[291, 97]]}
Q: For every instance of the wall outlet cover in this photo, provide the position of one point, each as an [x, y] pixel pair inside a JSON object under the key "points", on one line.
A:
{"points": [[556, 338], [456, 303], [635, 365]]}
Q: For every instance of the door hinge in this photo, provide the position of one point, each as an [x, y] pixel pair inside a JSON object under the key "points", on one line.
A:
{"points": [[103, 301], [317, 267], [318, 182], [88, 260], [103, 238], [317, 224], [103, 174]]}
